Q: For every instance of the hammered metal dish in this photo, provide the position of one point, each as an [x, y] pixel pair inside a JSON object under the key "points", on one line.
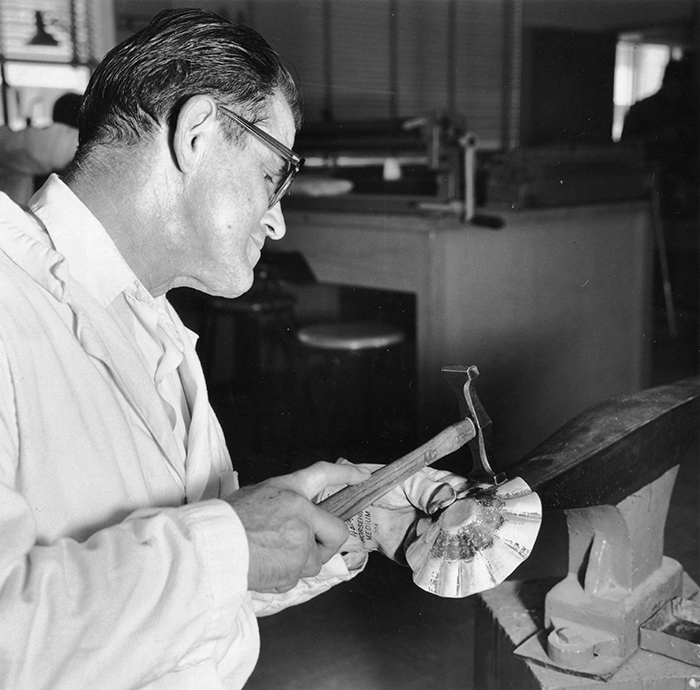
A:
{"points": [[476, 542]]}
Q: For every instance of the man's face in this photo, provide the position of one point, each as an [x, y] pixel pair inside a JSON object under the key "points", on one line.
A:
{"points": [[228, 215]]}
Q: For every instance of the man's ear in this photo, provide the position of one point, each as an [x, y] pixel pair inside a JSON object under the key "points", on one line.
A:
{"points": [[195, 129]]}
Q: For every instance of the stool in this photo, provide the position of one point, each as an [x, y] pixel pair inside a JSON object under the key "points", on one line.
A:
{"points": [[351, 387], [247, 350], [263, 328]]}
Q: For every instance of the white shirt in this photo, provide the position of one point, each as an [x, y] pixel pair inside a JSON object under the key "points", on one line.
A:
{"points": [[119, 566], [96, 263]]}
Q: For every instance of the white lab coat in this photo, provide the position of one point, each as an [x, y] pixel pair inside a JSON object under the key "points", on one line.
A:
{"points": [[119, 568]]}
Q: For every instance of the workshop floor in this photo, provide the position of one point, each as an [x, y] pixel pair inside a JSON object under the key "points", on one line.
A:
{"points": [[379, 631]]}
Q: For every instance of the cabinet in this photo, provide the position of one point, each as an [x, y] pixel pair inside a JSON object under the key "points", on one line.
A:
{"points": [[554, 309]]}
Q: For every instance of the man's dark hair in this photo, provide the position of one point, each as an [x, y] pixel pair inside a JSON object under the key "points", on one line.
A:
{"points": [[141, 84], [66, 109]]}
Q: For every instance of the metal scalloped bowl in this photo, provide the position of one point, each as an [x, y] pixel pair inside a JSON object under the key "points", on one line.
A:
{"points": [[475, 543]]}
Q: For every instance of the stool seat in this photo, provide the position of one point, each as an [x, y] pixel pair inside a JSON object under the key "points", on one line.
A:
{"points": [[360, 335], [350, 385]]}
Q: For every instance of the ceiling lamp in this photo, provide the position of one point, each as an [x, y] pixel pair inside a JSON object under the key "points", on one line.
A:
{"points": [[42, 37]]}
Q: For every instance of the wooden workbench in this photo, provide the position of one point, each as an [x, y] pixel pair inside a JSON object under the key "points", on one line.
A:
{"points": [[554, 308]]}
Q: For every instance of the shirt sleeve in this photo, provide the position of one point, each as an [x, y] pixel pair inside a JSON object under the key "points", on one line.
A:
{"points": [[152, 594], [338, 569]]}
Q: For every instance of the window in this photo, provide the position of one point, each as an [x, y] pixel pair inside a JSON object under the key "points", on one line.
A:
{"points": [[639, 70]]}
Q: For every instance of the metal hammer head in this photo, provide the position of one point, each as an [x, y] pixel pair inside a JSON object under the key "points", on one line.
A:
{"points": [[462, 379]]}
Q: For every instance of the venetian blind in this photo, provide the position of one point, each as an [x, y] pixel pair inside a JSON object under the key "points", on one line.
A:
{"points": [[47, 31], [378, 59]]}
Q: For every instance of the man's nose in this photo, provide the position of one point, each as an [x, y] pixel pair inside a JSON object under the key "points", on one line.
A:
{"points": [[273, 220]]}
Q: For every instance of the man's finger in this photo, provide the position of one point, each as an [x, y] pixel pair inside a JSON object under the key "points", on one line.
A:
{"points": [[330, 536], [314, 563], [428, 490], [446, 489], [313, 479]]}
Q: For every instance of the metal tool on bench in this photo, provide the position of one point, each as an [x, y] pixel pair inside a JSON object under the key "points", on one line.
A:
{"points": [[476, 542]]}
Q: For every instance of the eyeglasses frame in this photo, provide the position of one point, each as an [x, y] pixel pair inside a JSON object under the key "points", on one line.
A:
{"points": [[293, 159]]}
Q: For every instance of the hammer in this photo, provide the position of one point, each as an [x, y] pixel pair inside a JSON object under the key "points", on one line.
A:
{"points": [[474, 429]]}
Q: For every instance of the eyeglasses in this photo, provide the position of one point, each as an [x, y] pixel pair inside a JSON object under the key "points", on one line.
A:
{"points": [[294, 160]]}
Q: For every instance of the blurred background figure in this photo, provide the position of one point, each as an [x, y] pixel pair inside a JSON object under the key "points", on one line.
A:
{"points": [[28, 156], [665, 125]]}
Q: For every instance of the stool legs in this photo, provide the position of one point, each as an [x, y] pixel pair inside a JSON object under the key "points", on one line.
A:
{"points": [[351, 401], [248, 362]]}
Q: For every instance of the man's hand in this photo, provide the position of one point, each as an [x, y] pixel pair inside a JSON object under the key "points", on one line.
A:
{"points": [[390, 522], [288, 536]]}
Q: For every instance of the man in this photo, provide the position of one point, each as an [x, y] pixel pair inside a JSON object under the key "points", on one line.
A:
{"points": [[37, 151], [129, 558], [665, 127]]}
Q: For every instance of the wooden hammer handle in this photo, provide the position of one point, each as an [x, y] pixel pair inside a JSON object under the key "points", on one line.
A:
{"points": [[352, 499]]}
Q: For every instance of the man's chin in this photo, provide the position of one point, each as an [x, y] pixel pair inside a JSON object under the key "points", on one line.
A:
{"points": [[216, 289]]}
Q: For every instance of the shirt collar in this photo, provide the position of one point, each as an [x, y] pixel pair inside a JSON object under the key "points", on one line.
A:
{"points": [[92, 257]]}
